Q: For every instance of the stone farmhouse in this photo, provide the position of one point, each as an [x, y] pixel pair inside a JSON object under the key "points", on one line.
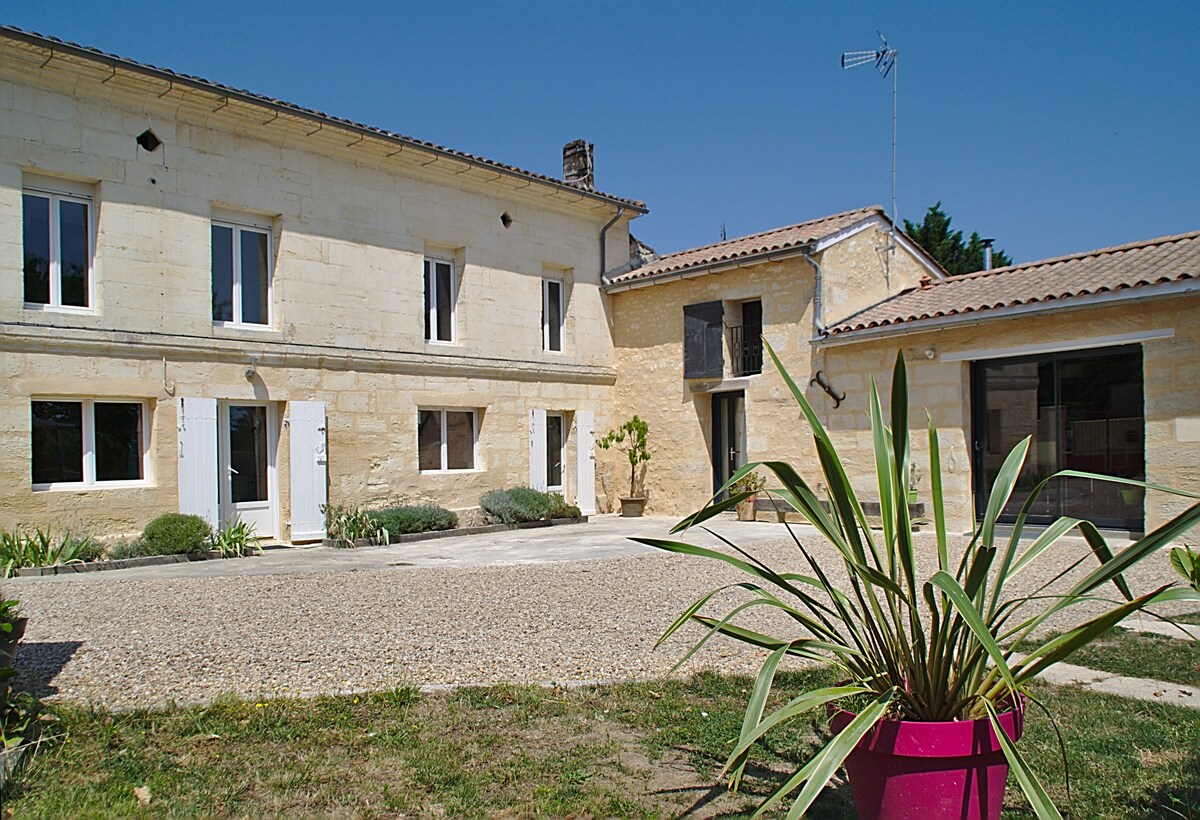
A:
{"points": [[226, 304]]}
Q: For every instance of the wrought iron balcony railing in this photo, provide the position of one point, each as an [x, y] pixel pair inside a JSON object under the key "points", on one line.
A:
{"points": [[746, 349]]}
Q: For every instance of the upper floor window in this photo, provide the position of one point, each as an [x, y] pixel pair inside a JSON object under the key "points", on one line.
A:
{"points": [[241, 274], [57, 235], [703, 345], [87, 442], [552, 314], [745, 340], [446, 440], [439, 300]]}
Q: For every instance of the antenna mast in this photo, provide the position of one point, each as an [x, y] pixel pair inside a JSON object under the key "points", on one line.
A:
{"points": [[885, 60]]}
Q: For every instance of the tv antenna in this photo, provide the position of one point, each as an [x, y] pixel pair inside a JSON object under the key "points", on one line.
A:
{"points": [[884, 58]]}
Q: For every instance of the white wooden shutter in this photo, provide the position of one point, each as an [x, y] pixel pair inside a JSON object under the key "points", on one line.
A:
{"points": [[197, 422], [585, 461], [537, 450], [309, 458]]}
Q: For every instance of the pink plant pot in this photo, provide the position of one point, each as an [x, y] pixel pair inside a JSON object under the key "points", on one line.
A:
{"points": [[931, 771]]}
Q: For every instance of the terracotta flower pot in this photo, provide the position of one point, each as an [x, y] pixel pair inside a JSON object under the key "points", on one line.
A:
{"points": [[745, 509], [907, 769], [632, 507]]}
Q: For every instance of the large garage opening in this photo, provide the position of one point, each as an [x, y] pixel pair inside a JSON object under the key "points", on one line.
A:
{"points": [[1084, 410]]}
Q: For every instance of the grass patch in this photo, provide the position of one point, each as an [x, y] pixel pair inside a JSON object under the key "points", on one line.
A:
{"points": [[1143, 655], [629, 750]]}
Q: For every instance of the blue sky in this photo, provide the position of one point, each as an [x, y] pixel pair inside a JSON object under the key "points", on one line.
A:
{"points": [[1054, 127]]}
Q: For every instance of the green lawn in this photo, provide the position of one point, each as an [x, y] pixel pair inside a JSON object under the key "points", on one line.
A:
{"points": [[630, 750], [1143, 655]]}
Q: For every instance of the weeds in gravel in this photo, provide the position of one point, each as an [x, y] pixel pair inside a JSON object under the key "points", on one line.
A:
{"points": [[630, 750]]}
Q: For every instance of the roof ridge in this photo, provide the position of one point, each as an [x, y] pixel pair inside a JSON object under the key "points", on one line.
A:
{"points": [[769, 231], [1054, 260], [50, 41]]}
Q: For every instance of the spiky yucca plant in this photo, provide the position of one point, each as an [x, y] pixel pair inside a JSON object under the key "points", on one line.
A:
{"points": [[950, 646]]}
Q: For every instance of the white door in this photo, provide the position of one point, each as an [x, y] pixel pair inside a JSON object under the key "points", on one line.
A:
{"points": [[246, 472], [197, 429], [309, 460], [585, 461], [537, 449]]}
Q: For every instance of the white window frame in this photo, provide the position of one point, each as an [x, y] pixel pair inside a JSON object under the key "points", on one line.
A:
{"points": [[562, 453], [56, 193], [89, 445], [238, 226], [431, 303], [562, 314], [474, 468]]}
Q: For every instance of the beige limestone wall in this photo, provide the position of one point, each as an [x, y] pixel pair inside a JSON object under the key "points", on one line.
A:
{"points": [[858, 272], [371, 421], [648, 329], [351, 224], [352, 219], [1171, 373]]}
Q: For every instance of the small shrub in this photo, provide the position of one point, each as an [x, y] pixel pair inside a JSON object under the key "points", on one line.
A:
{"points": [[534, 504], [522, 504], [20, 549], [498, 508], [237, 540], [345, 525], [559, 508], [176, 533], [414, 518], [131, 548]]}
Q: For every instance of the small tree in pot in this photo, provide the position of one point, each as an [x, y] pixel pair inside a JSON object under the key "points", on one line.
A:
{"points": [[747, 486], [631, 438], [936, 659]]}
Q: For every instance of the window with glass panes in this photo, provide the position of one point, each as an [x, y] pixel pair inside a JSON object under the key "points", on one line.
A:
{"points": [[241, 274], [56, 233], [446, 440], [439, 300], [86, 442], [552, 314]]}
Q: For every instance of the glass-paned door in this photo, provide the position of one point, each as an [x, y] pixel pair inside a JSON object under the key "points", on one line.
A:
{"points": [[728, 435], [1084, 411], [247, 465]]}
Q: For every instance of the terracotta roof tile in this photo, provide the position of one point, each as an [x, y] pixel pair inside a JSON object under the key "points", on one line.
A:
{"points": [[1063, 278], [94, 53], [776, 239]]}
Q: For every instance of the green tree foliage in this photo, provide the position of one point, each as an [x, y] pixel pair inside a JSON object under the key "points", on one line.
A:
{"points": [[947, 247]]}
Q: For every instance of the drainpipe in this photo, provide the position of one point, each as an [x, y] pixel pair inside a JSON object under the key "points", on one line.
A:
{"points": [[603, 250], [821, 330]]}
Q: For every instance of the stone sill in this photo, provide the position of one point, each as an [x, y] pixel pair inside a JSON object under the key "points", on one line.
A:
{"points": [[406, 538]]}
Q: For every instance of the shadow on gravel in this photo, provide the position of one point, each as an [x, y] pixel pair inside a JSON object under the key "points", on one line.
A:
{"points": [[38, 664]]}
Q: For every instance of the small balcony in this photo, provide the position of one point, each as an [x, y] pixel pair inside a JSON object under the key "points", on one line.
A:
{"points": [[745, 349]]}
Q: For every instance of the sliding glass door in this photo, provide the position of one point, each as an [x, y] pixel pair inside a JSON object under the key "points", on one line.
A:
{"points": [[1084, 412]]}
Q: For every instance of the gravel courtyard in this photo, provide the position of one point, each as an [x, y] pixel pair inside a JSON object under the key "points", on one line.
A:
{"points": [[119, 640]]}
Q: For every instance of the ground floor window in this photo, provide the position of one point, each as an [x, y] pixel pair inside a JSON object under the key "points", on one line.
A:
{"points": [[446, 440], [87, 442], [1084, 411], [556, 442]]}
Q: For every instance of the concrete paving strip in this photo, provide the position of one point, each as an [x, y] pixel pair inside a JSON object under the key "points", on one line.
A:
{"points": [[1154, 691], [1143, 624]]}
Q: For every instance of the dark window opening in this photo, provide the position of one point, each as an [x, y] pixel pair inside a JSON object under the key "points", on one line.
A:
{"points": [[703, 343], [1084, 411]]}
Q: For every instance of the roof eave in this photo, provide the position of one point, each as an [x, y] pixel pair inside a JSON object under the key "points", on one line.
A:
{"points": [[759, 258], [903, 328]]}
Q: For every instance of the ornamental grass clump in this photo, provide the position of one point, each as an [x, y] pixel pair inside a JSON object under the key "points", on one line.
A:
{"points": [[954, 644]]}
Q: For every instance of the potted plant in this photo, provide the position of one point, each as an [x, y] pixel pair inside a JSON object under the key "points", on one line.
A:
{"points": [[935, 662], [749, 486], [631, 439]]}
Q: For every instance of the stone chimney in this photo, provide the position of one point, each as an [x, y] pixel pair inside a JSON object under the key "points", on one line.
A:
{"points": [[577, 165]]}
